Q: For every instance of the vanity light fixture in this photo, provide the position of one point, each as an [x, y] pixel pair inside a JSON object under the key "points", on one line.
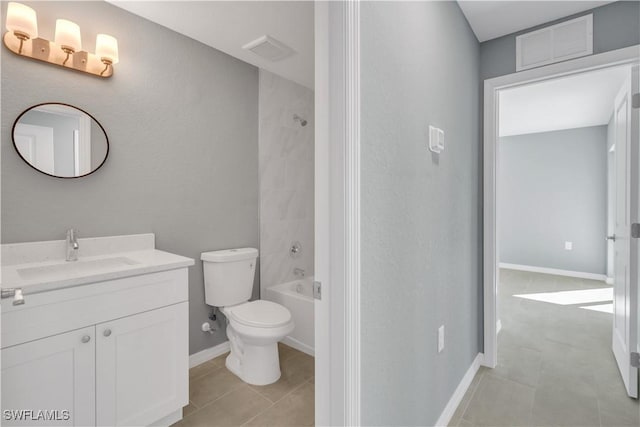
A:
{"points": [[22, 22], [68, 37], [107, 50], [66, 50]]}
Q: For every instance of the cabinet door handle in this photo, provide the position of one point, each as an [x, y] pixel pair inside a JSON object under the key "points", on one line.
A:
{"points": [[107, 332], [85, 339]]}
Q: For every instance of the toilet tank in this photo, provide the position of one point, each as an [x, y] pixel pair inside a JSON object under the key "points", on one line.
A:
{"points": [[228, 276]]}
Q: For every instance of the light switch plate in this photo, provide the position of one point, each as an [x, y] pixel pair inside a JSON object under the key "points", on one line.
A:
{"points": [[436, 139], [568, 246]]}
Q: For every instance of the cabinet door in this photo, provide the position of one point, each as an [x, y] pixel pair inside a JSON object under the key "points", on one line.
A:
{"points": [[142, 367], [50, 381]]}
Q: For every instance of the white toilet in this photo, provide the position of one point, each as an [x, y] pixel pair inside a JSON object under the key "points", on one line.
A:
{"points": [[254, 327]]}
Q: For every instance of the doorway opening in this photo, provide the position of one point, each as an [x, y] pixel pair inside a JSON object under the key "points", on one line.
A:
{"points": [[561, 187]]}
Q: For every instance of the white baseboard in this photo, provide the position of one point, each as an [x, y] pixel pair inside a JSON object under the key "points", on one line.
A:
{"points": [[456, 398], [292, 342], [208, 354], [169, 420], [609, 280], [555, 271]]}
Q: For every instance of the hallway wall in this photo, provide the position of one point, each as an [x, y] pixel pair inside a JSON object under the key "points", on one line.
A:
{"points": [[421, 247]]}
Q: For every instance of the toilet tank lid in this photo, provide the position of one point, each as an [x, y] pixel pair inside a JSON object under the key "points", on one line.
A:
{"points": [[228, 255]]}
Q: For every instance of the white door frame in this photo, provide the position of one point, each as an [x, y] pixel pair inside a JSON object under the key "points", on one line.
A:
{"points": [[337, 212], [492, 87]]}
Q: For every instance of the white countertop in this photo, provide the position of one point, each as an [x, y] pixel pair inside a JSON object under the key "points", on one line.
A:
{"points": [[47, 273]]}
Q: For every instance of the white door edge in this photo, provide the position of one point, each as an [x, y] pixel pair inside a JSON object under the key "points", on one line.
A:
{"points": [[337, 215], [626, 56]]}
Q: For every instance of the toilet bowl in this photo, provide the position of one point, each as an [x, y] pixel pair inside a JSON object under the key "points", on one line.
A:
{"points": [[254, 327], [254, 331]]}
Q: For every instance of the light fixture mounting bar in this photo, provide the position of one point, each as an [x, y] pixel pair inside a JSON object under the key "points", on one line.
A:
{"points": [[46, 51]]}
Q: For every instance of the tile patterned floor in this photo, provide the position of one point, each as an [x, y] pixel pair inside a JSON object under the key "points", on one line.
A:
{"points": [[219, 398], [555, 365]]}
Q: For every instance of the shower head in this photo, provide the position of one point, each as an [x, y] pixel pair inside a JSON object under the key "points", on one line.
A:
{"points": [[297, 118]]}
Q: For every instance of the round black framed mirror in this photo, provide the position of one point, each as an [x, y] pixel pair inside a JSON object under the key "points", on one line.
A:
{"points": [[60, 140]]}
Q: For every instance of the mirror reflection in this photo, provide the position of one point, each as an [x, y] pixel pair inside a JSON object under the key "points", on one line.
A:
{"points": [[60, 140]]}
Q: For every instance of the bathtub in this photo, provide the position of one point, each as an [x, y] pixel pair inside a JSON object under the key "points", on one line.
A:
{"points": [[297, 296]]}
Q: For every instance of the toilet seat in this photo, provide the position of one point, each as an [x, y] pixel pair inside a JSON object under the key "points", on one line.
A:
{"points": [[259, 314]]}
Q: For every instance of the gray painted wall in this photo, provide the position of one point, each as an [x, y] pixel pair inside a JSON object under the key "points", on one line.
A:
{"points": [[182, 121], [615, 26], [420, 212], [553, 188]]}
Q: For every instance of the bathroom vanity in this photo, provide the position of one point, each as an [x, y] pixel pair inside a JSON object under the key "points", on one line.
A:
{"points": [[99, 341]]}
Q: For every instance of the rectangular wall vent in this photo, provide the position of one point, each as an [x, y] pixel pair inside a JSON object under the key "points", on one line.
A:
{"points": [[559, 42], [269, 48]]}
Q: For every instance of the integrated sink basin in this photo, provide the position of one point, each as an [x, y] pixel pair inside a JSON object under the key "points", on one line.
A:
{"points": [[36, 267], [67, 269]]}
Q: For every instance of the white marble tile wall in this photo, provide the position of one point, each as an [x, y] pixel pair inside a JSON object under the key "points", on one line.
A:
{"points": [[286, 159]]}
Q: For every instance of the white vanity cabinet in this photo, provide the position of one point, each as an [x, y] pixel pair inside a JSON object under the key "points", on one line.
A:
{"points": [[111, 353], [51, 374], [142, 367]]}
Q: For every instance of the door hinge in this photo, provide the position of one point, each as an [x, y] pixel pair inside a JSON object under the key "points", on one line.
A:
{"points": [[635, 100], [635, 360], [317, 290], [635, 230]]}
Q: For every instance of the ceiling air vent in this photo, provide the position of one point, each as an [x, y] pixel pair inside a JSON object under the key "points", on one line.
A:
{"points": [[269, 48]]}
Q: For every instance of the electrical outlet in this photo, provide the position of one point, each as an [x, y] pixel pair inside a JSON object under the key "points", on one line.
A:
{"points": [[568, 246], [440, 339]]}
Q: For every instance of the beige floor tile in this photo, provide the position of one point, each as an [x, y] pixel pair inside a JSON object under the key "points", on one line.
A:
{"points": [[220, 360], [572, 376], [565, 406], [285, 352], [612, 419], [189, 409], [211, 386], [500, 402], [295, 409], [561, 353], [613, 399], [295, 371], [203, 369], [233, 409], [519, 364]]}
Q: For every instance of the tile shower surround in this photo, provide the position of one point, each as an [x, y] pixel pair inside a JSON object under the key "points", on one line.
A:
{"points": [[286, 163]]}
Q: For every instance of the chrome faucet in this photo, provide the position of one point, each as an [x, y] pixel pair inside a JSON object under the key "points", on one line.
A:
{"points": [[72, 245], [298, 272], [16, 293]]}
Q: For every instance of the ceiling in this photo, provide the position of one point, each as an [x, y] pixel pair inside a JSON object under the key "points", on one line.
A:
{"points": [[571, 102], [229, 25], [491, 19]]}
